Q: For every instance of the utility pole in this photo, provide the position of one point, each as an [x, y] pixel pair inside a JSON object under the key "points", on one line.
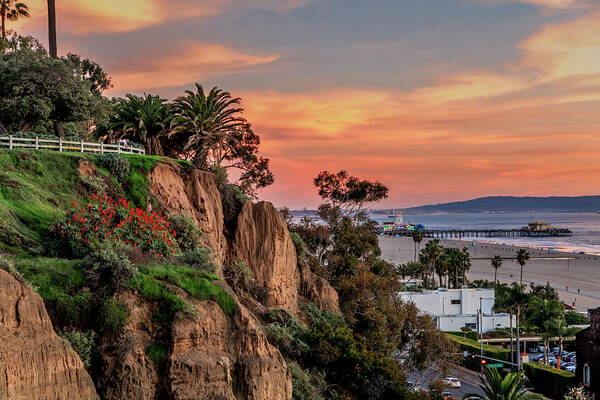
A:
{"points": [[480, 332], [52, 28]]}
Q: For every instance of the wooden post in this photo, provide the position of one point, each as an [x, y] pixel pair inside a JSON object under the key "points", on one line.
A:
{"points": [[101, 147], [37, 143], [59, 144], [118, 148], [10, 143], [82, 146]]}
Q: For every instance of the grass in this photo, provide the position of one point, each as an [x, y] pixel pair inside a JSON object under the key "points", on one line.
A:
{"points": [[137, 187], [54, 278], [34, 189], [152, 281], [36, 186], [58, 282], [156, 352]]}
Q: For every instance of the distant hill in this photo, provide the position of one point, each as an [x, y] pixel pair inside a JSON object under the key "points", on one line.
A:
{"points": [[511, 204]]}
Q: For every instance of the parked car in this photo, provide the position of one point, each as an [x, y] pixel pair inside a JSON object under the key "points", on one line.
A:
{"points": [[452, 382]]}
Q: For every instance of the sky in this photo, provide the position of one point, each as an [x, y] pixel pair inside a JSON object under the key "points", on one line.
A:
{"points": [[441, 100]]}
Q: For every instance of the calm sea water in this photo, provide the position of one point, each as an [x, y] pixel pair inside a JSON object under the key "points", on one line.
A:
{"points": [[585, 227]]}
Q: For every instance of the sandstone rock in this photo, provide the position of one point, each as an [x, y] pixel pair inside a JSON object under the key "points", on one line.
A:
{"points": [[215, 357], [318, 291], [263, 242], [127, 372], [86, 168], [34, 362], [196, 196]]}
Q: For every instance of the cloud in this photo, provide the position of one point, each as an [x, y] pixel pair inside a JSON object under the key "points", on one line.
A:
{"points": [[548, 4], [109, 16], [179, 64], [530, 127]]}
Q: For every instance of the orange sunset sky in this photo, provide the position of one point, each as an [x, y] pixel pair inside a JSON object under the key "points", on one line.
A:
{"points": [[442, 100]]}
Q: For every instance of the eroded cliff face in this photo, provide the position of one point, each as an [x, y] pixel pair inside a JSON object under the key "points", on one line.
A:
{"points": [[209, 355], [194, 194], [225, 358], [34, 362], [263, 243]]}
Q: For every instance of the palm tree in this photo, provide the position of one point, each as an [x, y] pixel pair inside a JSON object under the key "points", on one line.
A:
{"points": [[519, 299], [430, 255], [503, 303], [205, 123], [11, 11], [546, 314], [522, 257], [496, 263], [417, 237], [495, 387], [142, 119], [465, 263]]}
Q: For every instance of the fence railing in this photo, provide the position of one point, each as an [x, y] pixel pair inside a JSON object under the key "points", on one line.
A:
{"points": [[38, 143]]}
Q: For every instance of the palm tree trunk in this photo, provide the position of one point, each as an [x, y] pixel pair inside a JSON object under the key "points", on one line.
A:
{"points": [[496, 275], [521, 279], [512, 359], [415, 251], [52, 28], [3, 130], [58, 129], [559, 351], [3, 24], [518, 341]]}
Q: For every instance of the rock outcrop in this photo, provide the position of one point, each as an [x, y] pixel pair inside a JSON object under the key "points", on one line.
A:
{"points": [[195, 195], [263, 242], [126, 371], [318, 291], [217, 357], [34, 362]]}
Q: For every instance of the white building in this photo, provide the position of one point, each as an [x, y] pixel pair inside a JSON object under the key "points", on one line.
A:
{"points": [[453, 309]]}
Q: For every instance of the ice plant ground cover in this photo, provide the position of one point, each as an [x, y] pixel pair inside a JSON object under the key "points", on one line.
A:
{"points": [[104, 218]]}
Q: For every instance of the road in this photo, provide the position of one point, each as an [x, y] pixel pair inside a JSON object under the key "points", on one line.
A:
{"points": [[469, 381]]}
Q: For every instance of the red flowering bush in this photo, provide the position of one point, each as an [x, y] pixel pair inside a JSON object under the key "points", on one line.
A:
{"points": [[104, 219]]}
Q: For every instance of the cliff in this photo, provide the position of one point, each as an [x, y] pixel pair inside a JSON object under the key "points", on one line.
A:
{"points": [[205, 352], [34, 362]]}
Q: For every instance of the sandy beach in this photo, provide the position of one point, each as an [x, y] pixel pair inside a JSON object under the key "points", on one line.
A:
{"points": [[575, 276]]}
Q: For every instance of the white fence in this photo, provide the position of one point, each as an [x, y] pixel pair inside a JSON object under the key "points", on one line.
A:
{"points": [[13, 142]]}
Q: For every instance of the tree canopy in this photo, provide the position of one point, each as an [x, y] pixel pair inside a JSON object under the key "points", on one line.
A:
{"points": [[35, 88], [349, 193]]}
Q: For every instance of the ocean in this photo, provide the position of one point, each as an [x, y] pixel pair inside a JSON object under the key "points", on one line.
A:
{"points": [[585, 227]]}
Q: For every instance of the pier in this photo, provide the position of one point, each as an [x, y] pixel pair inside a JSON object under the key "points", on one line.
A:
{"points": [[482, 233]]}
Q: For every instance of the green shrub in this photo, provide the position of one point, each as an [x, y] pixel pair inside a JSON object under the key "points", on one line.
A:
{"points": [[112, 316], [94, 184], [9, 267], [473, 347], [137, 185], [574, 318], [82, 342], [156, 352], [306, 385], [108, 268], [238, 274], [199, 258], [299, 245], [150, 282], [117, 165], [549, 381], [188, 234]]}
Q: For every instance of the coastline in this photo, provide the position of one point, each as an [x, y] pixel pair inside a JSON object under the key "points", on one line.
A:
{"points": [[575, 276]]}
